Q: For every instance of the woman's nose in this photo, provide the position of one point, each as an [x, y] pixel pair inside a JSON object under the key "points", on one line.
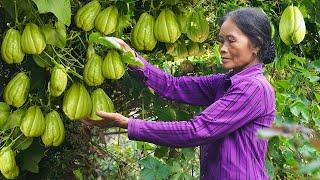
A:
{"points": [[223, 49]]}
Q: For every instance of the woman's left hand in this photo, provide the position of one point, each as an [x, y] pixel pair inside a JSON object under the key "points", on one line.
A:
{"points": [[108, 120]]}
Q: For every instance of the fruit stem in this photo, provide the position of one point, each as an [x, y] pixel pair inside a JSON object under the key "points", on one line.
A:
{"points": [[16, 12]]}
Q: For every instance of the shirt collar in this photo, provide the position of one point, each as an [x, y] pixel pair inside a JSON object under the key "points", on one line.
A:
{"points": [[249, 71]]}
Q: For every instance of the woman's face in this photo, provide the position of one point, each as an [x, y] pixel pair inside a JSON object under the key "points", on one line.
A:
{"points": [[236, 49]]}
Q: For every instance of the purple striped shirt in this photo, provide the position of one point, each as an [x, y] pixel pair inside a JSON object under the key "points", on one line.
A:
{"points": [[236, 107]]}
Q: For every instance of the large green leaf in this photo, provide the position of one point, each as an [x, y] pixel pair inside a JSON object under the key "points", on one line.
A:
{"points": [[153, 169], [31, 157], [57, 35], [298, 108], [60, 8], [14, 119], [166, 113], [23, 143]]}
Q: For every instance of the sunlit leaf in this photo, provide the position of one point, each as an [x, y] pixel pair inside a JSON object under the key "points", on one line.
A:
{"points": [[55, 35], [298, 108], [314, 165], [60, 8], [14, 119]]}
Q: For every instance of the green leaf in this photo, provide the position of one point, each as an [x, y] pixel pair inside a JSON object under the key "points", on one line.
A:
{"points": [[298, 108], [283, 84], [145, 146], [181, 115], [290, 158], [31, 157], [188, 153], [123, 22], [291, 56], [317, 95], [161, 151], [317, 65], [166, 113], [60, 8], [23, 143], [176, 167], [153, 169], [314, 79], [314, 165], [56, 36], [270, 169], [14, 119], [78, 174], [128, 58]]}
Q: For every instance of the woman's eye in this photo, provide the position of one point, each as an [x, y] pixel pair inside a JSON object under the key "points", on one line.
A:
{"points": [[231, 39]]}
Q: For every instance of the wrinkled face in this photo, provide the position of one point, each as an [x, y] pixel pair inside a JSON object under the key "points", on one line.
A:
{"points": [[236, 49]]}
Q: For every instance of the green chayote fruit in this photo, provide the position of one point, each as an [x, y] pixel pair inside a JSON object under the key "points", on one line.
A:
{"points": [[77, 102], [54, 132], [292, 28], [33, 123], [11, 50], [16, 91]]}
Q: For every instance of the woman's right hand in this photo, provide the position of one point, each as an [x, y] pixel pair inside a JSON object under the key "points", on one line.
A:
{"points": [[126, 48]]}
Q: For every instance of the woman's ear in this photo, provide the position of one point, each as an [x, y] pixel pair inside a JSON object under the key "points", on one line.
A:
{"points": [[255, 50], [256, 47]]}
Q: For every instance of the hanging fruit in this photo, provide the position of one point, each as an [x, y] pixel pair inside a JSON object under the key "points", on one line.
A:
{"points": [[32, 39], [11, 50], [113, 67], [197, 27], [292, 28], [166, 27], [58, 80], [33, 123], [182, 20], [177, 49], [8, 166], [86, 15], [16, 91], [193, 48], [77, 102], [54, 132], [107, 20], [100, 102], [142, 35], [92, 73]]}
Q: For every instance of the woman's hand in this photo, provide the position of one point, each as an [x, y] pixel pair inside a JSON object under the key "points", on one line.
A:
{"points": [[126, 48], [108, 120]]}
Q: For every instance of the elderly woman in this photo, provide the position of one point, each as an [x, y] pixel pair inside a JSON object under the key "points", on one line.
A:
{"points": [[238, 103]]}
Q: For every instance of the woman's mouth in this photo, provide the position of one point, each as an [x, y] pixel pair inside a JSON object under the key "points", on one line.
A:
{"points": [[225, 60]]}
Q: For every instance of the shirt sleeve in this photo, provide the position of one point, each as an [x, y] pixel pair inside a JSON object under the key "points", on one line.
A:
{"points": [[240, 105], [201, 90]]}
